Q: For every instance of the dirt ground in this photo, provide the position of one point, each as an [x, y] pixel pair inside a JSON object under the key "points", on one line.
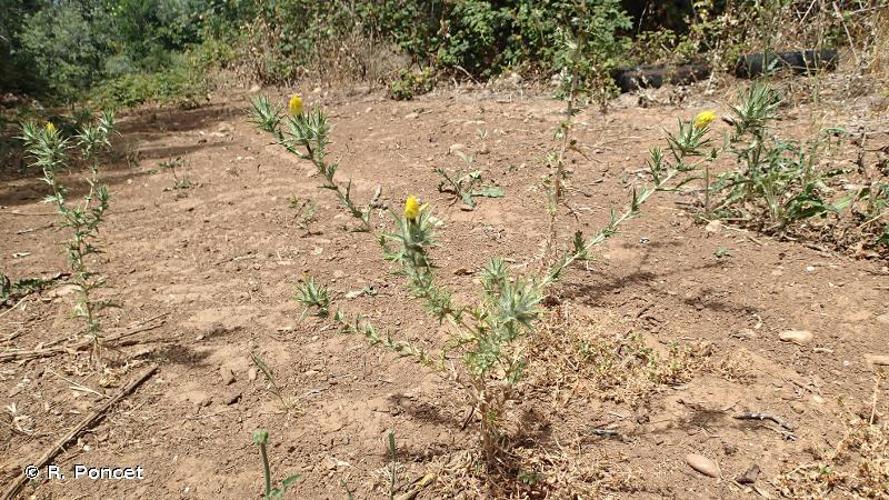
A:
{"points": [[207, 274]]}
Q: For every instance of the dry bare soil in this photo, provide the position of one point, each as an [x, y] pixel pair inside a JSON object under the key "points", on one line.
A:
{"points": [[204, 276]]}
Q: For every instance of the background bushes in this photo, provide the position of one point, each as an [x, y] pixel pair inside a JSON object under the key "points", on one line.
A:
{"points": [[132, 51]]}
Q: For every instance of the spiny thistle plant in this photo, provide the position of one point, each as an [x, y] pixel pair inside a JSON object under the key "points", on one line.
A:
{"points": [[307, 136], [51, 152], [261, 440], [556, 159], [487, 334], [587, 55], [777, 175]]}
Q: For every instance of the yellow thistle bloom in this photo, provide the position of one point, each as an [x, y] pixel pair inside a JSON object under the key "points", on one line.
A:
{"points": [[704, 118], [295, 105], [412, 208], [50, 128]]}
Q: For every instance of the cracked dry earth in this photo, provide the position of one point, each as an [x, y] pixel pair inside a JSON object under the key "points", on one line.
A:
{"points": [[210, 272]]}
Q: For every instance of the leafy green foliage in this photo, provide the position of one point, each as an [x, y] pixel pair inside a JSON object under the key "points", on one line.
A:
{"points": [[66, 49], [591, 48], [411, 83], [487, 334], [18, 289]]}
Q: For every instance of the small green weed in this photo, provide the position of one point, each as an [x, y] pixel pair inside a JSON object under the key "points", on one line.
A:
{"points": [[466, 186], [305, 213], [261, 439]]}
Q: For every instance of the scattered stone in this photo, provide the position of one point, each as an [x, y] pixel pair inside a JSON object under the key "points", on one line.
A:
{"points": [[61, 291], [199, 398], [810, 269], [883, 318], [713, 227], [455, 147], [749, 476], [877, 359], [702, 464], [411, 116], [817, 399], [228, 377], [232, 397], [745, 334], [251, 374], [799, 337]]}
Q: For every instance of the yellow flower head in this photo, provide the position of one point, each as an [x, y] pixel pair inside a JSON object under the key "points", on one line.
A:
{"points": [[295, 105], [704, 118], [50, 128], [412, 208]]}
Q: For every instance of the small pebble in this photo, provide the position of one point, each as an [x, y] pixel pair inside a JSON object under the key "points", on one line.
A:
{"points": [[226, 374], [796, 336], [232, 397], [702, 464], [749, 477]]}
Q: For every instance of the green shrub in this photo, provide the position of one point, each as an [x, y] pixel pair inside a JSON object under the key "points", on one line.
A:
{"points": [[181, 84], [65, 49], [411, 83]]}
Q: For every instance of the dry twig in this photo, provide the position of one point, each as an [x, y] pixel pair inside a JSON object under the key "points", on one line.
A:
{"points": [[82, 345], [84, 424]]}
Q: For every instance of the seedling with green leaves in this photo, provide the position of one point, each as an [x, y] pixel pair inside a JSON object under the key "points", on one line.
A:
{"points": [[314, 296], [269, 375], [51, 151], [305, 213], [180, 181], [465, 186], [261, 439]]}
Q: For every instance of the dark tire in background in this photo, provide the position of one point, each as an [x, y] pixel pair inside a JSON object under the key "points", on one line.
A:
{"points": [[799, 61], [643, 77]]}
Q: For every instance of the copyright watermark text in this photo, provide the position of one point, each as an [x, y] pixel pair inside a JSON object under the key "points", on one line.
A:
{"points": [[85, 472]]}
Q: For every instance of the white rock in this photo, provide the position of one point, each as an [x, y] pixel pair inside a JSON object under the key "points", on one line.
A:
{"points": [[796, 336], [702, 464]]}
